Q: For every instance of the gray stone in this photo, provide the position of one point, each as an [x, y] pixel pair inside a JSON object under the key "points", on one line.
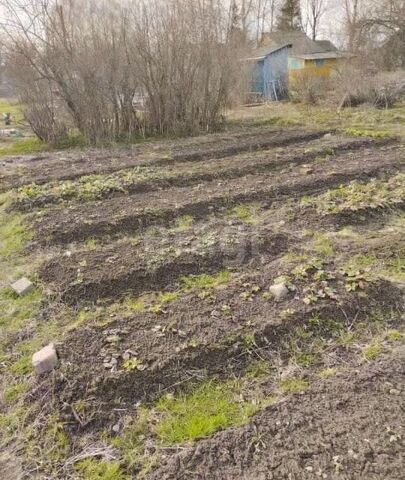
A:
{"points": [[328, 135], [45, 359], [279, 291], [22, 286]]}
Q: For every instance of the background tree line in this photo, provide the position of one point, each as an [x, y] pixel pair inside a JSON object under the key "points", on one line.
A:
{"points": [[118, 69]]}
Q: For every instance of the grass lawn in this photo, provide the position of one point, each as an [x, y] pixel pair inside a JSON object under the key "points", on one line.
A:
{"points": [[362, 120]]}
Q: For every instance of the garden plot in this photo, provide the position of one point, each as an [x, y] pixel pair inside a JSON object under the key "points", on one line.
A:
{"points": [[116, 216], [44, 168], [233, 318], [149, 178]]}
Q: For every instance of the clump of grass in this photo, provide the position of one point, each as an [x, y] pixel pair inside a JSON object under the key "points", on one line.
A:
{"points": [[162, 299], [205, 281], [245, 213], [372, 351], [12, 393], [89, 187], [24, 146], [358, 132], [92, 469], [131, 444], [258, 369], [395, 336], [358, 196], [328, 373], [293, 385], [322, 244], [209, 408], [184, 223]]}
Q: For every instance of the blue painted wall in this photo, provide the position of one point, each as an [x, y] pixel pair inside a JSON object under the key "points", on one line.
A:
{"points": [[270, 76]]}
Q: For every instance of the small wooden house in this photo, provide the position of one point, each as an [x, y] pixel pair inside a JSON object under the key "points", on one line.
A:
{"points": [[269, 72], [315, 57]]}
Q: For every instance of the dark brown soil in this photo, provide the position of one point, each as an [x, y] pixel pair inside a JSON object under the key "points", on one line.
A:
{"points": [[112, 216], [176, 174], [67, 166], [177, 348], [345, 428]]}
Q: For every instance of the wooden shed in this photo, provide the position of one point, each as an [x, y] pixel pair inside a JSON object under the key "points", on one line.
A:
{"points": [[269, 72]]}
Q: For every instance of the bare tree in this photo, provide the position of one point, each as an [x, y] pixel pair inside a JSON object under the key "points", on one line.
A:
{"points": [[122, 69], [352, 11], [315, 9]]}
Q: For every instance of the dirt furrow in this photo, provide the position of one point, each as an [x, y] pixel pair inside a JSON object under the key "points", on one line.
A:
{"points": [[344, 427], [175, 346], [145, 179], [69, 167], [134, 213], [114, 272]]}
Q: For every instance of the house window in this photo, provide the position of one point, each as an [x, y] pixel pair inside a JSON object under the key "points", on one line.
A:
{"points": [[295, 64], [319, 62]]}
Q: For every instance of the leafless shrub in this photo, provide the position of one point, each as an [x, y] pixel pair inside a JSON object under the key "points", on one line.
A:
{"points": [[40, 105], [355, 85], [123, 69], [308, 88]]}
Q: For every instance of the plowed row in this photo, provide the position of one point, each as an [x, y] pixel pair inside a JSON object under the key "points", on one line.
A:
{"points": [[167, 286], [135, 212]]}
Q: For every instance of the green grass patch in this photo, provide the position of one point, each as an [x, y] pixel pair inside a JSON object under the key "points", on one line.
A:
{"points": [[90, 187], [357, 132], [93, 469], [372, 351], [184, 223], [205, 281], [327, 373], [395, 336], [12, 394], [364, 118], [322, 244], [23, 146], [244, 213], [209, 408], [293, 385], [359, 196]]}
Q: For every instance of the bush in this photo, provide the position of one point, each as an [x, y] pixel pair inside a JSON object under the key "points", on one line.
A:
{"points": [[354, 85], [122, 70], [308, 88]]}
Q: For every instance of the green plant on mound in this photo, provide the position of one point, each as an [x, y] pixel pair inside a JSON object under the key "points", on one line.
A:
{"points": [[358, 132], [89, 187], [209, 408], [359, 196], [372, 351], [92, 469], [293, 385], [205, 281], [245, 213]]}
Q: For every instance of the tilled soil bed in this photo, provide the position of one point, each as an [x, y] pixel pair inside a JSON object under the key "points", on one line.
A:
{"points": [[343, 428], [69, 166], [148, 178], [275, 278], [112, 216]]}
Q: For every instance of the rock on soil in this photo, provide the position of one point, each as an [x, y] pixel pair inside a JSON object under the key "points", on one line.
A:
{"points": [[22, 286], [45, 359], [279, 291]]}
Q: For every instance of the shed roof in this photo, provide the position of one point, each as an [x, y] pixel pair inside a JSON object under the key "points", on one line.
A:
{"points": [[301, 43], [263, 52], [321, 55]]}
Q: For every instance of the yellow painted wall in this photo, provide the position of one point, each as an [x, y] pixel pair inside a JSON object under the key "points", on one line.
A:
{"points": [[299, 66]]}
